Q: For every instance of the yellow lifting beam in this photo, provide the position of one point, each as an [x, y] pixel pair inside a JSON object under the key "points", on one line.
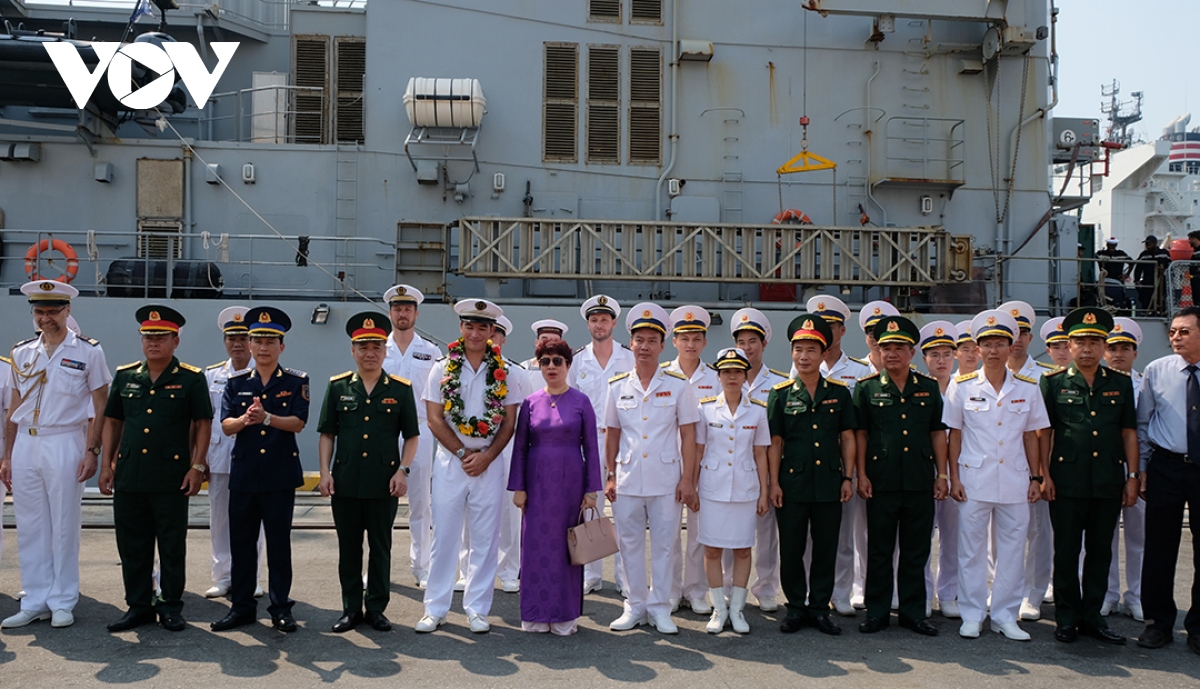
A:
{"points": [[806, 161]]}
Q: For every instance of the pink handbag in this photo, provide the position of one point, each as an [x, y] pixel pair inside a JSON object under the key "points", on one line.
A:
{"points": [[591, 540]]}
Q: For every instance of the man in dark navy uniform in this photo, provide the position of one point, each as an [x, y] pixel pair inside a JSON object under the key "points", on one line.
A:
{"points": [[264, 408]]}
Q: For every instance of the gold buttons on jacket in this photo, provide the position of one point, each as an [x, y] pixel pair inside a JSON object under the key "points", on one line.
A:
{"points": [[149, 411], [366, 418], [1002, 461], [906, 450], [818, 462], [904, 432], [1095, 433], [366, 436], [145, 430], [262, 451], [1093, 413], [144, 450], [1095, 454], [151, 392], [903, 416], [262, 432], [364, 454], [814, 426]]}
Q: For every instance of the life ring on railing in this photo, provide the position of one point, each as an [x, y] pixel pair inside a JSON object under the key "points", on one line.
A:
{"points": [[792, 216], [61, 247]]}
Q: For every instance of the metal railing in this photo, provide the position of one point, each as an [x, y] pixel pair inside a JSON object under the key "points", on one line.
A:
{"points": [[272, 125], [268, 14], [924, 149], [628, 250], [1182, 278], [1088, 285]]}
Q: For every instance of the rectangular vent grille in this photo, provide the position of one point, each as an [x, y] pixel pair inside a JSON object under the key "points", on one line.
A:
{"points": [[646, 11], [351, 58], [604, 10], [645, 106], [310, 69], [604, 105], [560, 101]]}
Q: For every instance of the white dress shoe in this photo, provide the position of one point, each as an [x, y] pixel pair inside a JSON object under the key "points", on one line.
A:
{"points": [[258, 592], [858, 603], [1030, 613], [216, 592], [62, 618], [1049, 597], [737, 606], [460, 585], [949, 609], [844, 608], [699, 606], [627, 621], [428, 624], [1011, 631], [675, 605], [479, 624], [422, 584], [21, 594], [1107, 607], [663, 624], [1134, 610], [23, 618], [970, 630], [589, 586], [510, 586], [768, 604]]}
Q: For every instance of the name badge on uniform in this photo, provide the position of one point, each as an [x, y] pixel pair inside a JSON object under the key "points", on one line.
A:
{"points": [[347, 398], [882, 395], [133, 385], [246, 392], [976, 399], [716, 425], [71, 363], [1068, 391], [626, 397], [422, 357], [798, 406]]}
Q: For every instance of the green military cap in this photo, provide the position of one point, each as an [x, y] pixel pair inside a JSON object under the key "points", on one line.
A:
{"points": [[156, 319], [367, 326], [896, 329], [809, 326], [1088, 321]]}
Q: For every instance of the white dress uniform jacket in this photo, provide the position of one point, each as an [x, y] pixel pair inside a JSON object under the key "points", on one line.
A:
{"points": [[649, 463], [728, 472]]}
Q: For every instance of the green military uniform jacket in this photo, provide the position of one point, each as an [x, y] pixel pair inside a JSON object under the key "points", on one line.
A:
{"points": [[367, 428], [899, 427], [1087, 459], [810, 469], [154, 453]]}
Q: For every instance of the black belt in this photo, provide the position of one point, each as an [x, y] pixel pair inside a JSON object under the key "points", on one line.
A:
{"points": [[1171, 455]]}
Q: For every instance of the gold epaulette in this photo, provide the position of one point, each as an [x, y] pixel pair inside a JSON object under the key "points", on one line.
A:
{"points": [[835, 381], [1027, 379], [1043, 364], [1055, 373], [873, 375], [296, 372], [781, 374], [129, 366], [664, 364], [1127, 373], [341, 376], [863, 362], [398, 379], [966, 376], [239, 374], [90, 340], [189, 367], [619, 376], [780, 386], [676, 374], [219, 364], [924, 375], [706, 400], [755, 400]]}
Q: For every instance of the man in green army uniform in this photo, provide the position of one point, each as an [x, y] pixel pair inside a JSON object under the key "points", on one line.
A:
{"points": [[902, 451], [1092, 472], [156, 431], [364, 412], [810, 464]]}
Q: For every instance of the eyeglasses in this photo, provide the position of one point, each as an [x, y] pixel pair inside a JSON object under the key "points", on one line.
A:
{"points": [[48, 312], [551, 361]]}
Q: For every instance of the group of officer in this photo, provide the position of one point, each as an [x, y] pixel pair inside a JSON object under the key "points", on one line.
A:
{"points": [[1023, 467]]}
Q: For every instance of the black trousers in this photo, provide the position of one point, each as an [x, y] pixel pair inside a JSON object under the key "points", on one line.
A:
{"points": [[1087, 524], [906, 516], [141, 521], [795, 520], [352, 517], [272, 511], [1170, 483]]}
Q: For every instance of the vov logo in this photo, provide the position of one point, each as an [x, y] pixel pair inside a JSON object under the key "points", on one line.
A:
{"points": [[117, 60]]}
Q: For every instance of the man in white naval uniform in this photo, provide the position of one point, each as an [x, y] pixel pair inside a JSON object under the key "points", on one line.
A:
{"points": [[1121, 352], [543, 330], [1039, 555], [236, 337], [595, 363], [1058, 345], [472, 411], [411, 356], [650, 454], [689, 334], [51, 445], [752, 333], [870, 314]]}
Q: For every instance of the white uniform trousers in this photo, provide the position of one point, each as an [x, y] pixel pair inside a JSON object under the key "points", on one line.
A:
{"points": [[594, 571], [1010, 526], [850, 570], [647, 594], [688, 578], [3, 492], [1039, 558], [455, 497], [218, 533], [48, 509], [1135, 549], [420, 481], [947, 570], [508, 567]]}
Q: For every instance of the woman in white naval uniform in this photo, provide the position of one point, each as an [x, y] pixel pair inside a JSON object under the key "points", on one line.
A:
{"points": [[732, 438], [1122, 349]]}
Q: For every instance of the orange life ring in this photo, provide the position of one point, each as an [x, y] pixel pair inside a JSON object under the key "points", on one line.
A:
{"points": [[792, 215], [31, 258]]}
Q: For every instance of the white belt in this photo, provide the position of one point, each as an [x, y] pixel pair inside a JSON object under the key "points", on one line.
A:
{"points": [[50, 430]]}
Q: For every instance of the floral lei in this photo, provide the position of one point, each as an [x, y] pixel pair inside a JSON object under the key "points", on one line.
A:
{"points": [[494, 393]]}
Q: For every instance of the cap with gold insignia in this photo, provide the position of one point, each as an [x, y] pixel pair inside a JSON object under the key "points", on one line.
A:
{"points": [[159, 320], [1088, 321], [1052, 331], [549, 325], [403, 294], [994, 323], [872, 311], [1021, 312], [49, 292], [267, 321], [963, 328], [368, 326], [732, 358], [477, 311], [504, 325], [810, 326], [1125, 330], [232, 320], [830, 308], [690, 319], [750, 319], [600, 304], [938, 334], [647, 315], [896, 329]]}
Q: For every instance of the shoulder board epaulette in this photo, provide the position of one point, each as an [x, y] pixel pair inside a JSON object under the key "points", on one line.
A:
{"points": [[675, 374], [781, 374], [1027, 379], [189, 367], [664, 364], [398, 379], [210, 367], [1124, 373], [626, 346], [835, 381], [706, 400], [1043, 364], [242, 374], [873, 375], [580, 349], [864, 362], [128, 366], [780, 386], [295, 372], [25, 342], [441, 358], [926, 376], [755, 400], [1055, 372], [965, 377], [619, 376], [341, 376], [90, 340], [511, 362]]}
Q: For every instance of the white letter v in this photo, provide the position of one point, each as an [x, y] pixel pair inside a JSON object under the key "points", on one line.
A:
{"points": [[80, 82]]}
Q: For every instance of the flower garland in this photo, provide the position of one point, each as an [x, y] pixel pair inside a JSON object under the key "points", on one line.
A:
{"points": [[493, 398]]}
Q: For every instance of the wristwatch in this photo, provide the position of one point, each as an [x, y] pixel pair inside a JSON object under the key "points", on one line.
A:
{"points": [[847, 478], [200, 467], [611, 476], [460, 452], [944, 476], [95, 450], [267, 419], [1039, 479], [406, 469], [1135, 475]]}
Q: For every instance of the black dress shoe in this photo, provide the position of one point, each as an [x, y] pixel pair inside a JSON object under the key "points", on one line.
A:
{"points": [[826, 625], [1066, 633], [1104, 634], [791, 624], [874, 624], [1154, 638], [133, 619], [284, 623], [172, 621], [232, 621], [921, 627], [347, 622], [378, 622]]}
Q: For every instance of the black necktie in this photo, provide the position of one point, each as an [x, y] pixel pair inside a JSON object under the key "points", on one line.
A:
{"points": [[1193, 415]]}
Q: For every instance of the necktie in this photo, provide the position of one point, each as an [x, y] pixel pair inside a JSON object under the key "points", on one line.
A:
{"points": [[1193, 414]]}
